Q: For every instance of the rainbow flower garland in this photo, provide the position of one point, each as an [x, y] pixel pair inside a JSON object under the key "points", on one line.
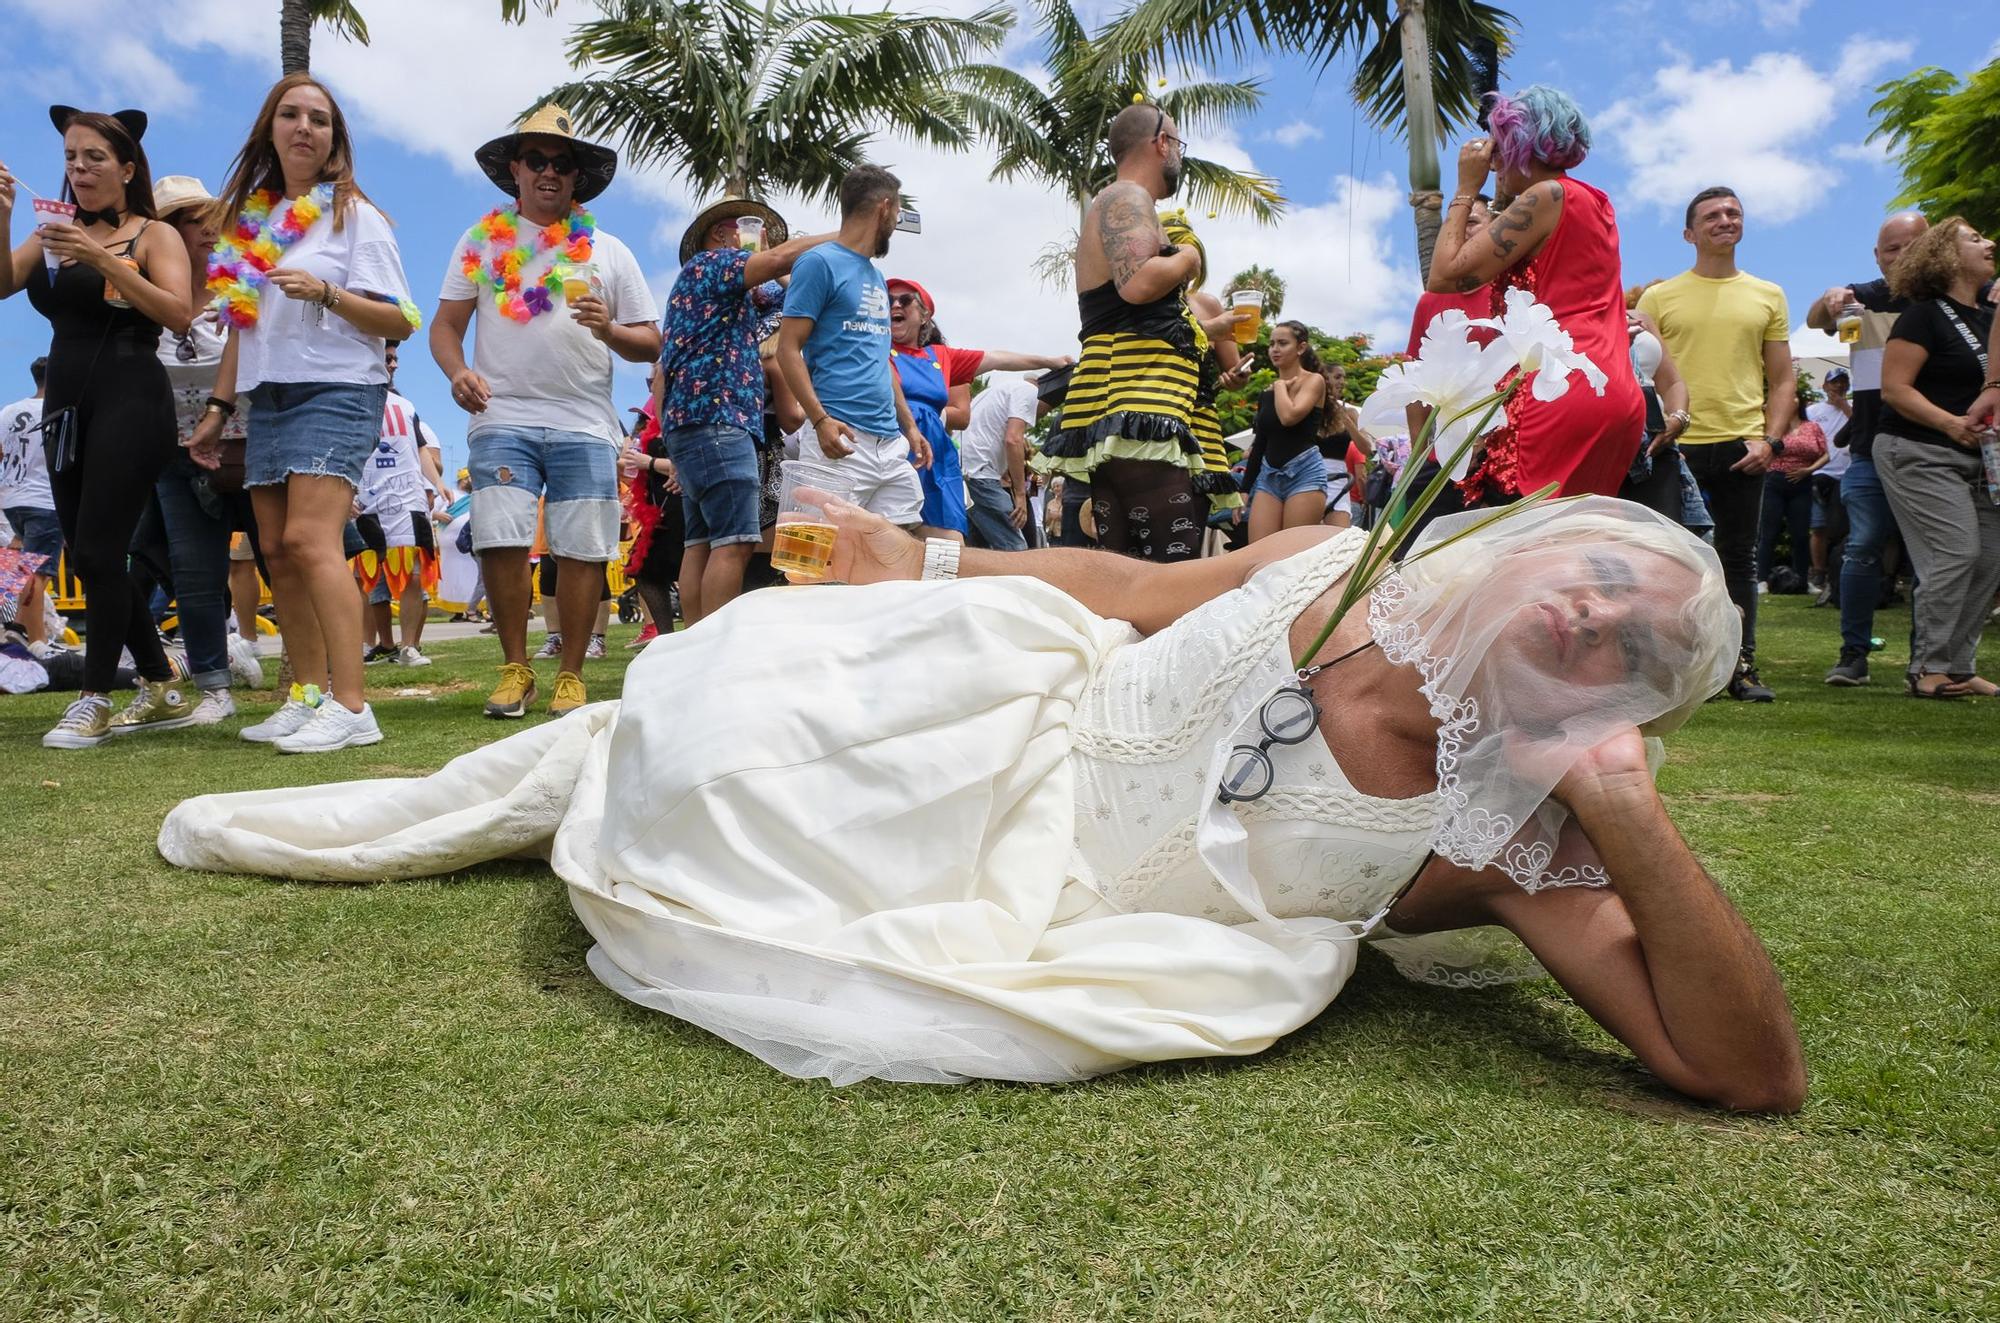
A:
{"points": [[237, 267], [497, 251]]}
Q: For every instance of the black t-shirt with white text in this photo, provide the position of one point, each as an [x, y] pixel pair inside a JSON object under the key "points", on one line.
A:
{"points": [[1951, 375]]}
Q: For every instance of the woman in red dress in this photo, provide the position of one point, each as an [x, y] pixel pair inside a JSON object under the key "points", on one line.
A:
{"points": [[1558, 240]]}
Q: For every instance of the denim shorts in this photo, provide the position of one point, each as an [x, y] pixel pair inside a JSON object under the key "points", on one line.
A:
{"points": [[316, 428], [40, 533], [1306, 472], [720, 485], [569, 479]]}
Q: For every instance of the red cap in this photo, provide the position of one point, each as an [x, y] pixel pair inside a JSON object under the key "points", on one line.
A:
{"points": [[923, 295]]}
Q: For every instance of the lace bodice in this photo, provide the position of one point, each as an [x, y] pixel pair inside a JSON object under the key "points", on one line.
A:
{"points": [[1146, 741]]}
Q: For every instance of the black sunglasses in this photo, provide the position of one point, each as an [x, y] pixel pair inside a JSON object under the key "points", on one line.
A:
{"points": [[1160, 128], [904, 300], [536, 162]]}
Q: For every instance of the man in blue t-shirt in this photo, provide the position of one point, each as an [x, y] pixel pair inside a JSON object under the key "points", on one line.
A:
{"points": [[833, 347], [710, 391]]}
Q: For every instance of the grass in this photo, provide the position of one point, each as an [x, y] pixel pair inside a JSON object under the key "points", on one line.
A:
{"points": [[230, 1098]]}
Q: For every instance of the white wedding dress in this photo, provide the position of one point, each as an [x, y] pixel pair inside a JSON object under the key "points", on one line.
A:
{"points": [[923, 831]]}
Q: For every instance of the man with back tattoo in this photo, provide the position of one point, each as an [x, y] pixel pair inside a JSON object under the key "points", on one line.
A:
{"points": [[1126, 420]]}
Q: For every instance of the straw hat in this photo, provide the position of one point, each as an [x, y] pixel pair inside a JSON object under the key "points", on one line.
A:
{"points": [[731, 207], [172, 192], [595, 164]]}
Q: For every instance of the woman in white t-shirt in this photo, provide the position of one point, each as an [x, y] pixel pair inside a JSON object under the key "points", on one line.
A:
{"points": [[309, 276]]}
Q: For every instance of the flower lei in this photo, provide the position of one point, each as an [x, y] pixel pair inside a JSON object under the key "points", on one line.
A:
{"points": [[498, 249], [242, 256]]}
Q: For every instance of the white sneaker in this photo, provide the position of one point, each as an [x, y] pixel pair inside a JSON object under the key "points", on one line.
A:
{"points": [[296, 712], [595, 650], [332, 727], [245, 666], [215, 706], [551, 648], [85, 723], [407, 655]]}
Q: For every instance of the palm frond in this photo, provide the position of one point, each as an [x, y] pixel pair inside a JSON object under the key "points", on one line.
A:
{"points": [[1213, 187]]}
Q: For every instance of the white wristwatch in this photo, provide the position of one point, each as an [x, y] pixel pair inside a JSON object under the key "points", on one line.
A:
{"points": [[940, 558]]}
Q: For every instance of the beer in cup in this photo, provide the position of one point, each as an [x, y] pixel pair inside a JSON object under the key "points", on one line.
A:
{"points": [[802, 544], [750, 233], [1247, 307], [1849, 325], [49, 212], [111, 294], [577, 280]]}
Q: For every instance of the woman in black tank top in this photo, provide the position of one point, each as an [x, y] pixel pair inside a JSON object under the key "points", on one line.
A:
{"points": [[107, 282], [1340, 431], [1286, 474]]}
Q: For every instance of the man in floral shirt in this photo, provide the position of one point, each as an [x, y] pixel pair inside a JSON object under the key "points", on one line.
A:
{"points": [[710, 391]]}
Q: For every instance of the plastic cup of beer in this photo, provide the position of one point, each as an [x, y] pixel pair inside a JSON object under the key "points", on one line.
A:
{"points": [[802, 543], [577, 279], [750, 233], [1849, 325], [1247, 307], [48, 211]]}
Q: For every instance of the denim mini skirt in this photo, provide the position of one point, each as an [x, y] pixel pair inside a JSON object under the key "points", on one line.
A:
{"points": [[319, 428]]}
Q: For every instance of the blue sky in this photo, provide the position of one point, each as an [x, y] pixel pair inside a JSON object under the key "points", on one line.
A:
{"points": [[1769, 96]]}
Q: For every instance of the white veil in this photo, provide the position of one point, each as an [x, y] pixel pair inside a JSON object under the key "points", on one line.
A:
{"points": [[1537, 638]]}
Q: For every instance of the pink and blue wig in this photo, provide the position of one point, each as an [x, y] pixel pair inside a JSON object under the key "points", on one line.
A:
{"points": [[1541, 124]]}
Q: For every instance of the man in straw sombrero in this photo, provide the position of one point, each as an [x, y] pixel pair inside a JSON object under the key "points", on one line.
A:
{"points": [[711, 387], [555, 297]]}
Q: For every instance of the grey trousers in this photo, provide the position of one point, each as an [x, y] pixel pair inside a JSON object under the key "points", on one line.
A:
{"points": [[1952, 531]]}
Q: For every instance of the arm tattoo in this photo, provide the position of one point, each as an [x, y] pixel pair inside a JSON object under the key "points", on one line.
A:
{"points": [[1466, 284], [1128, 231], [1515, 221]]}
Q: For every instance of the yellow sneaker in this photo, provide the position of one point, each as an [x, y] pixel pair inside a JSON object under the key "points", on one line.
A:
{"points": [[569, 694], [159, 705], [513, 694], [85, 723]]}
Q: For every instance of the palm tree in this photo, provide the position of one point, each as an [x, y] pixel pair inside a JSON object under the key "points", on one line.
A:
{"points": [[1057, 134], [297, 18], [744, 96], [1423, 64], [1267, 280]]}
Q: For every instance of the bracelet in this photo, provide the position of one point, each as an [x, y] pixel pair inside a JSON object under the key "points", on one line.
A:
{"points": [[1467, 198], [1681, 416], [331, 298], [940, 558], [817, 421], [227, 408], [1777, 444]]}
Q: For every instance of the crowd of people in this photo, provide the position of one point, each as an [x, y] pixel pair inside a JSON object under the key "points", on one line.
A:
{"points": [[260, 331], [1010, 816]]}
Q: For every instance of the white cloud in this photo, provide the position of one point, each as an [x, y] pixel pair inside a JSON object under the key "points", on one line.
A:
{"points": [[1754, 128], [1294, 133], [1874, 153], [1777, 14]]}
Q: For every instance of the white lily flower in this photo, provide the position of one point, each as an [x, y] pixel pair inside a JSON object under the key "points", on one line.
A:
{"points": [[1538, 344], [1451, 376]]}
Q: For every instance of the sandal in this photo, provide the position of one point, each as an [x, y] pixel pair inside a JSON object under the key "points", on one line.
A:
{"points": [[1977, 685], [1946, 691]]}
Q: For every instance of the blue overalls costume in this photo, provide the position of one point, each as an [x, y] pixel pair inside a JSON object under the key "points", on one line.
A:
{"points": [[926, 390]]}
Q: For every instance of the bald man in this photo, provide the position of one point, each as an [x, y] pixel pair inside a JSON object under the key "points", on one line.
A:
{"points": [[1869, 523]]}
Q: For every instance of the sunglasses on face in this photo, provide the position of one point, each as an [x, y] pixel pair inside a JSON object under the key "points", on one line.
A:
{"points": [[536, 162], [903, 300]]}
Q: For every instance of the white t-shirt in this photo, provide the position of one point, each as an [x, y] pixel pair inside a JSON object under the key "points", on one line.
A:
{"points": [[191, 360], [24, 471], [1832, 422], [392, 479], [549, 371], [294, 340], [982, 446]]}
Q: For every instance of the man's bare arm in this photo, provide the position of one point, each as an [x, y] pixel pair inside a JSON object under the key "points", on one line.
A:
{"points": [[1129, 233]]}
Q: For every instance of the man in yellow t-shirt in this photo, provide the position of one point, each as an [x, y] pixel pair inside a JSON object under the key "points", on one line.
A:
{"points": [[1729, 333]]}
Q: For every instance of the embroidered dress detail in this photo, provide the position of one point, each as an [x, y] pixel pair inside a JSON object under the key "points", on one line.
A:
{"points": [[244, 255], [500, 249]]}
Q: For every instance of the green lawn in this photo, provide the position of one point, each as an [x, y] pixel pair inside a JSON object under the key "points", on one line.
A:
{"points": [[230, 1098]]}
